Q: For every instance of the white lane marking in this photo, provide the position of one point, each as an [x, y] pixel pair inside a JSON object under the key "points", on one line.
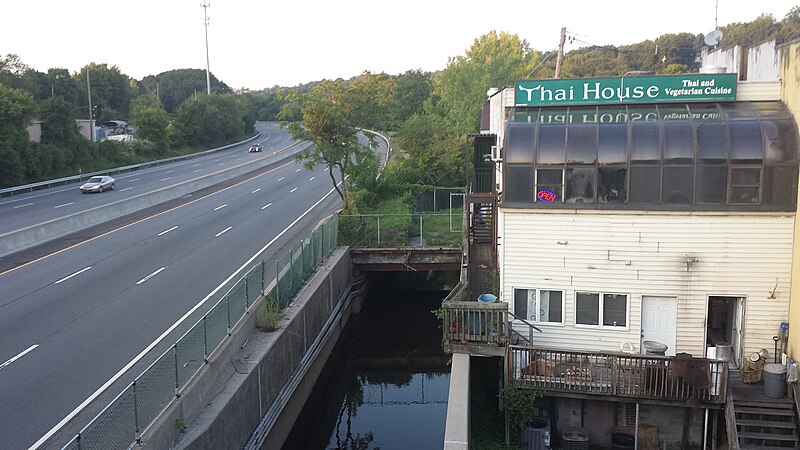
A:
{"points": [[217, 159], [311, 179], [20, 355], [169, 330], [22, 206], [221, 164], [198, 170], [238, 159], [167, 231], [266, 206], [169, 171], [73, 275], [220, 207], [298, 170], [150, 276], [256, 191], [126, 189], [65, 204], [196, 165], [135, 179], [165, 179], [223, 232], [292, 190], [281, 178]]}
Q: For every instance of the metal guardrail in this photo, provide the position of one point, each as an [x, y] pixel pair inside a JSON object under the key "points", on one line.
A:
{"points": [[121, 424], [10, 191], [402, 230]]}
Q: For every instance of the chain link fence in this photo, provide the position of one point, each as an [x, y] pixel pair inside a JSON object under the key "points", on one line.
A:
{"points": [[121, 424], [401, 230]]}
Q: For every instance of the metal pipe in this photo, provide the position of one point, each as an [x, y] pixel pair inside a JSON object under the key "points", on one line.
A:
{"points": [[636, 430], [705, 429]]}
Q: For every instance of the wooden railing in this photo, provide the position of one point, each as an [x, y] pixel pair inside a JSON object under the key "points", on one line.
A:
{"points": [[475, 322], [675, 378]]}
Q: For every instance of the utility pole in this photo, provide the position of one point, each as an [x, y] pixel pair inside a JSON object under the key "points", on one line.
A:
{"points": [[205, 22], [89, 92], [560, 57]]}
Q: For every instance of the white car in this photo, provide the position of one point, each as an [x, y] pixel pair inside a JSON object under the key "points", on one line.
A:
{"points": [[98, 184]]}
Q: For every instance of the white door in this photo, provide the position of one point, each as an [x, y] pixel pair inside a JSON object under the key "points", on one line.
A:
{"points": [[736, 331], [658, 321]]}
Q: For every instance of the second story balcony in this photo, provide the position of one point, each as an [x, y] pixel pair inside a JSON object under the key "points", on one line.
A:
{"points": [[486, 329]]}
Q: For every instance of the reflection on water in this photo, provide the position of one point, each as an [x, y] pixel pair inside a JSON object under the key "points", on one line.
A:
{"points": [[408, 414], [386, 384]]}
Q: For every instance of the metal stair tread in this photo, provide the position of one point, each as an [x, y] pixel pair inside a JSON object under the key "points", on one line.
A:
{"points": [[761, 447], [764, 411], [786, 404], [765, 423], [767, 436]]}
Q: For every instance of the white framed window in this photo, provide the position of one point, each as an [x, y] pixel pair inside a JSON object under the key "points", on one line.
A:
{"points": [[601, 309], [539, 305]]}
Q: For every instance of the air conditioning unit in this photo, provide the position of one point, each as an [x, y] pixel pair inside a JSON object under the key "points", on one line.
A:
{"points": [[574, 439], [496, 154], [536, 434]]}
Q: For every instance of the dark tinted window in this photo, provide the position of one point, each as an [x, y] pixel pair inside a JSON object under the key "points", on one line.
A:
{"points": [[587, 308], [678, 185], [519, 184], [582, 144], [615, 310], [521, 302], [645, 184], [779, 185], [780, 140], [612, 145], [745, 185], [711, 142], [678, 143], [746, 144], [645, 142], [580, 185], [552, 141], [611, 185], [712, 184], [519, 143]]}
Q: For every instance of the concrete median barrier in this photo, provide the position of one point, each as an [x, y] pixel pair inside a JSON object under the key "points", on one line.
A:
{"points": [[38, 234]]}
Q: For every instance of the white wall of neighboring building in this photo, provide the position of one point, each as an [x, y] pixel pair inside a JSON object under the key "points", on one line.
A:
{"points": [[737, 254]]}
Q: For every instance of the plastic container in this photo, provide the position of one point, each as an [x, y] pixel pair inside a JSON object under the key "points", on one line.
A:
{"points": [[487, 298], [723, 352], [775, 380], [622, 441], [655, 348]]}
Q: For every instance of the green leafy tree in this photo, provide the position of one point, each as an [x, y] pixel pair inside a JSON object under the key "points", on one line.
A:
{"points": [[152, 122], [411, 90], [111, 90], [17, 108], [327, 123], [175, 86], [459, 91], [763, 28], [213, 119]]}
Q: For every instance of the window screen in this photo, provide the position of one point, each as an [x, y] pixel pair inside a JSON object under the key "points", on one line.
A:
{"points": [[645, 184], [712, 184], [745, 185], [518, 184], [549, 185], [678, 185]]}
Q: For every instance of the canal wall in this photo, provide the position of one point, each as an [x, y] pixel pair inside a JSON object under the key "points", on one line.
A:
{"points": [[259, 381]]}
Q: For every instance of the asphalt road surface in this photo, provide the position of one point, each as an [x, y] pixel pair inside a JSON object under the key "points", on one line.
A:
{"points": [[72, 320]]}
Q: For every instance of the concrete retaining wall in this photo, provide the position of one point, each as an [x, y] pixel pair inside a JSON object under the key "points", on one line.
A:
{"points": [[248, 376], [38, 234]]}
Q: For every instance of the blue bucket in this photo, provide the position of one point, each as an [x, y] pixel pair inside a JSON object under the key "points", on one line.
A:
{"points": [[487, 298]]}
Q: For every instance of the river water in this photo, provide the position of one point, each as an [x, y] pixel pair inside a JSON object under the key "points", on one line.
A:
{"points": [[386, 384]]}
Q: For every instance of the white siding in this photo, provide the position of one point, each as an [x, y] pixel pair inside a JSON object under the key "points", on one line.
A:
{"points": [[646, 254], [754, 91]]}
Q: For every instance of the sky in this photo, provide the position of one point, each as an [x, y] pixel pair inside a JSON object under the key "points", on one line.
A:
{"points": [[257, 44]]}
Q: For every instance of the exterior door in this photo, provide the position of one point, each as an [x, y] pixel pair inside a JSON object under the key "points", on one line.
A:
{"points": [[658, 321]]}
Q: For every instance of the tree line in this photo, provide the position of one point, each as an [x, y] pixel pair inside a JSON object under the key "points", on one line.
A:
{"points": [[428, 115]]}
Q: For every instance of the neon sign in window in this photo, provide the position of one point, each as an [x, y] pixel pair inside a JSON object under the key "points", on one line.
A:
{"points": [[546, 196]]}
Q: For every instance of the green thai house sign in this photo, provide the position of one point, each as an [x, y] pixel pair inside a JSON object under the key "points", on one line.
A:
{"points": [[638, 89]]}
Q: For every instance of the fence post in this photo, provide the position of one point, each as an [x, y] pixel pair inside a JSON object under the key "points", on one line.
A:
{"points": [[263, 276], [177, 380], [228, 307], [291, 272], [421, 237], [278, 281], [246, 295], [379, 231], [136, 412], [205, 341], [78, 441]]}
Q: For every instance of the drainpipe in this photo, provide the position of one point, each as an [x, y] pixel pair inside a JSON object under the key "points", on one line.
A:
{"points": [[636, 430], [705, 429]]}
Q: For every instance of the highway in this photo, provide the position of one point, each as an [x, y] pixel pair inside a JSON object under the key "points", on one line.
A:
{"points": [[69, 322]]}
